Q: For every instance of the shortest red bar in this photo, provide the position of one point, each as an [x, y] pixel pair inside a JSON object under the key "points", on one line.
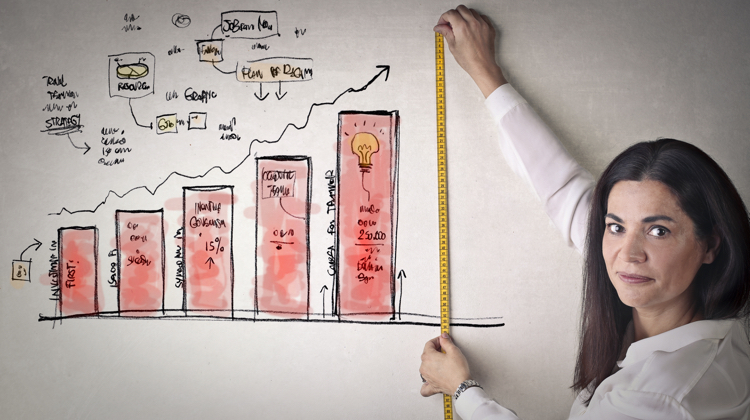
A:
{"points": [[78, 270]]}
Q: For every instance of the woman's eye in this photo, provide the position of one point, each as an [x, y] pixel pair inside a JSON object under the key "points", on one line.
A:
{"points": [[658, 231], [615, 228]]}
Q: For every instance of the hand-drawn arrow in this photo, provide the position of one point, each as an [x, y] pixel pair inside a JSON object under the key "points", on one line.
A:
{"points": [[386, 69], [37, 244], [150, 127], [279, 95], [323, 290], [401, 277], [247, 157], [261, 97], [210, 261], [84, 143]]}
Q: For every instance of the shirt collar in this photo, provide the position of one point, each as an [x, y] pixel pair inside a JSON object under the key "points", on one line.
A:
{"points": [[676, 339]]}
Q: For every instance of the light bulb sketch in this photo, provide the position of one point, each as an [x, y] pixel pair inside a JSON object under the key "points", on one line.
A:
{"points": [[364, 145]]}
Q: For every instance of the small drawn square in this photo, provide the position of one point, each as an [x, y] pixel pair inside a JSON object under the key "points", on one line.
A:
{"points": [[197, 121], [21, 271], [166, 124]]}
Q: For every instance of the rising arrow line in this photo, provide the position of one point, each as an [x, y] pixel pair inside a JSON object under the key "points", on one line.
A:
{"points": [[385, 69], [37, 244], [151, 127], [74, 145]]}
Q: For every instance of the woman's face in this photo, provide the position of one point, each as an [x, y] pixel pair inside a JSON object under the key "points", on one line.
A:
{"points": [[650, 247]]}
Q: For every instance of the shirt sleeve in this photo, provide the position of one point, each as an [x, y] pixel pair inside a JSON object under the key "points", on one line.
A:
{"points": [[632, 405], [475, 404], [534, 153]]}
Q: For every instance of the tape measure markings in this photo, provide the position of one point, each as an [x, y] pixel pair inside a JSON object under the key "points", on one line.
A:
{"points": [[442, 200]]}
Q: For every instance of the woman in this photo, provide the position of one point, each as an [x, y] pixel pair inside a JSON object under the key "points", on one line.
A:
{"points": [[666, 240]]}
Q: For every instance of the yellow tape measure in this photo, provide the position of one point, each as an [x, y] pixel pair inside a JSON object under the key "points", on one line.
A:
{"points": [[442, 200]]}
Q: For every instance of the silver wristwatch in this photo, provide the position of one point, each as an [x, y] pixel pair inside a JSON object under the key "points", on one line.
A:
{"points": [[464, 386]]}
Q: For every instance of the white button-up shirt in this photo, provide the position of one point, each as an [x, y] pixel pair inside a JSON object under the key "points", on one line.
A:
{"points": [[697, 371]]}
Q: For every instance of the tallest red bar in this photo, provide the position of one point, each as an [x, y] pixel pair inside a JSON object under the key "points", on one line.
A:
{"points": [[366, 214]]}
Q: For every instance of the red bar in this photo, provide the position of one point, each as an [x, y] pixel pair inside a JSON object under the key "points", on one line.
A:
{"points": [[282, 241], [140, 259], [366, 214], [207, 241], [79, 270]]}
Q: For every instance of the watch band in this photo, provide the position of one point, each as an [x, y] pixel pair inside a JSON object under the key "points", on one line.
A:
{"points": [[469, 383]]}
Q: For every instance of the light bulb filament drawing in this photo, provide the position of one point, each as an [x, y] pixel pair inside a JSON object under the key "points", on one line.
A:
{"points": [[364, 145]]}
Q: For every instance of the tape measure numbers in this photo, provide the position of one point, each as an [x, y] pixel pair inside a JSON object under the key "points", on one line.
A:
{"points": [[442, 200]]}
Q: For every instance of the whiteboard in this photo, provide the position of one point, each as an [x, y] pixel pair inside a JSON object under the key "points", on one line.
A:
{"points": [[116, 114]]}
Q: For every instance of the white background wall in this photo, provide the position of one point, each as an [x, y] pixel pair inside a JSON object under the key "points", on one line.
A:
{"points": [[603, 74]]}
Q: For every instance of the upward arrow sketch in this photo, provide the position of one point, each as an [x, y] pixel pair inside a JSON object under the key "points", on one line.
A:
{"points": [[323, 290], [401, 277], [36, 244], [383, 69]]}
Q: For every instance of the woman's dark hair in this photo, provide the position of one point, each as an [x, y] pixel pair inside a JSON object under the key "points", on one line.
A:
{"points": [[706, 194]]}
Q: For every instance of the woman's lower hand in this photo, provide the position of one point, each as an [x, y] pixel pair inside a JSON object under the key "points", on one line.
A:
{"points": [[442, 372]]}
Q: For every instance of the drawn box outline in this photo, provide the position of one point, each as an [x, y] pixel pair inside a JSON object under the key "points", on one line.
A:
{"points": [[119, 256], [60, 265], [237, 70], [160, 131], [190, 118], [294, 187], [260, 12], [284, 158], [152, 71], [27, 267], [185, 273], [394, 158], [200, 54]]}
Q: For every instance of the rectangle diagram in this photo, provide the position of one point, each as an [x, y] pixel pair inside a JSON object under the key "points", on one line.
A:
{"points": [[366, 214], [210, 50], [282, 249], [249, 24], [140, 262], [131, 75], [207, 243], [276, 69], [78, 267]]}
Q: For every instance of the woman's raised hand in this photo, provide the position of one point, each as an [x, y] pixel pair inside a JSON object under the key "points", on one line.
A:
{"points": [[471, 39]]}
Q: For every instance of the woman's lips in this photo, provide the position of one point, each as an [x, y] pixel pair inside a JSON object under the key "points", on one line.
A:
{"points": [[633, 278]]}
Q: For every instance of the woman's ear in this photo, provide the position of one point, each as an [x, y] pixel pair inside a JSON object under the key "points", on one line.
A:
{"points": [[713, 246]]}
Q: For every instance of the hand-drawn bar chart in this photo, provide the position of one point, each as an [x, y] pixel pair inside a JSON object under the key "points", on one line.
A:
{"points": [[140, 262], [78, 270], [187, 271], [207, 245], [366, 214], [283, 236]]}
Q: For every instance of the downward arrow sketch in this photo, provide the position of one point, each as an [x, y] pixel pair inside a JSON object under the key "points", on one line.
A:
{"points": [[279, 95], [261, 97]]}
